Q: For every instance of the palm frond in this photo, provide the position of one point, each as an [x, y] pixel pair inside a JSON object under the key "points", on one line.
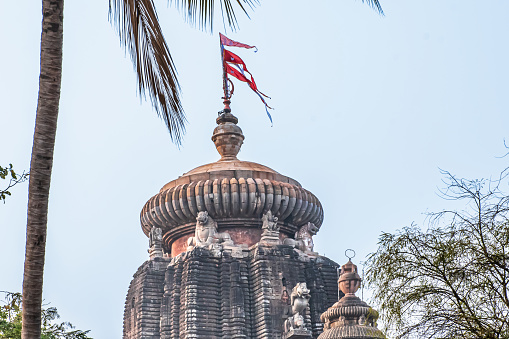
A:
{"points": [[140, 32], [375, 4], [201, 12]]}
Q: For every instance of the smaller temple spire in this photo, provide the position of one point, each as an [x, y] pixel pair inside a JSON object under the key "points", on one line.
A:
{"points": [[350, 317], [227, 136]]}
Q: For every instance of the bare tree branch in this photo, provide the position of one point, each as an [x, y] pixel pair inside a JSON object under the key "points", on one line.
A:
{"points": [[451, 280]]}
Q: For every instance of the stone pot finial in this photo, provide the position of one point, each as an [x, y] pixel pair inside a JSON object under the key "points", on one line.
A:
{"points": [[349, 281], [227, 136]]}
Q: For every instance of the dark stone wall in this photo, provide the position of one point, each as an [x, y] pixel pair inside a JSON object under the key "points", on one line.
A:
{"points": [[226, 296], [143, 303]]}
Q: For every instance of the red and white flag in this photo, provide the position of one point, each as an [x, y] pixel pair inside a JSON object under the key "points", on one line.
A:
{"points": [[233, 65], [228, 42]]}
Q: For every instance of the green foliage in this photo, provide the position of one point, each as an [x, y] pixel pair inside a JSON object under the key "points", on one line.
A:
{"points": [[452, 280], [14, 178], [10, 321], [10, 316]]}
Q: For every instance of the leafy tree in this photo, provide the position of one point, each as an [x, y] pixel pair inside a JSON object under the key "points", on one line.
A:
{"points": [[451, 280], [14, 178], [10, 321], [140, 32]]}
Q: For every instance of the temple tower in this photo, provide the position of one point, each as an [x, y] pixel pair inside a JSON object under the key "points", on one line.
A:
{"points": [[231, 254]]}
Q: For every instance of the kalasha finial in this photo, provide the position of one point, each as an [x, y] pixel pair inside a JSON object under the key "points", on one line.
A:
{"points": [[349, 281], [227, 136]]}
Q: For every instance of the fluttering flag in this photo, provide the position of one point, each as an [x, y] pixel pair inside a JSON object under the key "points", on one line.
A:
{"points": [[233, 58], [233, 65], [241, 76], [228, 42]]}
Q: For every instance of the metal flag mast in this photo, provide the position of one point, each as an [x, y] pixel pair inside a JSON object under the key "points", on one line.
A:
{"points": [[227, 94]]}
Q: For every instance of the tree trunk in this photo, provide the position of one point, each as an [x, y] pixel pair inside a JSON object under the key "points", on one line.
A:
{"points": [[41, 164]]}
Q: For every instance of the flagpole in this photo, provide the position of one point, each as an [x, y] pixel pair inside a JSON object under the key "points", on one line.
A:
{"points": [[226, 98]]}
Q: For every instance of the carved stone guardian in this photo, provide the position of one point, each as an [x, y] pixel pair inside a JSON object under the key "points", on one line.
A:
{"points": [[206, 234], [304, 239], [294, 326], [155, 243], [270, 233]]}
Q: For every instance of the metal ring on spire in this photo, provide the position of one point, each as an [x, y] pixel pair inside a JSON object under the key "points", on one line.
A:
{"points": [[233, 88], [351, 255]]}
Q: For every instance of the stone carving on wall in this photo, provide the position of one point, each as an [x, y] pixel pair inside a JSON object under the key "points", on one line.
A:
{"points": [[155, 242], [294, 326], [304, 238], [270, 233], [206, 234], [269, 222]]}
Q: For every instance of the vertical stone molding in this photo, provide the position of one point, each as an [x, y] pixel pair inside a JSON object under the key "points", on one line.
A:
{"points": [[202, 295]]}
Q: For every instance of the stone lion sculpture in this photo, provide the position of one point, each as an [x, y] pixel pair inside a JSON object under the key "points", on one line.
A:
{"points": [[303, 238], [206, 233], [299, 302]]}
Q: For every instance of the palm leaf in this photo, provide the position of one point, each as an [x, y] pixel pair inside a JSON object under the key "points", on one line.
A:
{"points": [[375, 4], [140, 33], [201, 12]]}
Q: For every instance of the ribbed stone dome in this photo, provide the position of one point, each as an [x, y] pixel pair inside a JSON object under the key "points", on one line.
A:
{"points": [[235, 193]]}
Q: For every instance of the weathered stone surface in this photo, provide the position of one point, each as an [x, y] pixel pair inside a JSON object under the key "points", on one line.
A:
{"points": [[298, 334], [201, 295], [143, 302]]}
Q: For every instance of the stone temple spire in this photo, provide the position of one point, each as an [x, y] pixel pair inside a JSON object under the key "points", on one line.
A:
{"points": [[231, 254], [350, 317]]}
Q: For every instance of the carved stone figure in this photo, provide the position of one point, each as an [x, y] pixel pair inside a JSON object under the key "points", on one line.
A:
{"points": [[303, 238], [206, 234], [362, 320], [269, 222], [155, 242], [155, 237], [326, 325], [270, 234], [299, 302], [299, 298]]}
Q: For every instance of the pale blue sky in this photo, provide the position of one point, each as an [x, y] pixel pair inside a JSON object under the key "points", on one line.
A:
{"points": [[367, 109]]}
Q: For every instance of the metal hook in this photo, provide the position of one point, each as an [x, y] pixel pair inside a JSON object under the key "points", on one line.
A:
{"points": [[350, 256]]}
